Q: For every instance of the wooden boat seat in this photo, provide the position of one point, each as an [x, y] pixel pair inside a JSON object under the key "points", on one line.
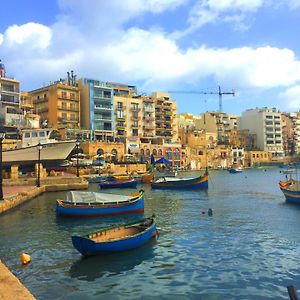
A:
{"points": [[118, 233]]}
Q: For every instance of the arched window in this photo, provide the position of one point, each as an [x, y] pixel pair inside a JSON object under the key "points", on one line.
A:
{"points": [[148, 152], [169, 154], [114, 153], [142, 151], [100, 151], [200, 152], [176, 154], [159, 152]]}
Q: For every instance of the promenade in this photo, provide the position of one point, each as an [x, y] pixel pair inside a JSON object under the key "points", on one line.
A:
{"points": [[16, 193]]}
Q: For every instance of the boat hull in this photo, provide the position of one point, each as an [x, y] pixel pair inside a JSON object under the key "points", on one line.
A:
{"points": [[51, 154], [118, 184], [87, 247], [292, 196], [196, 183], [67, 209]]}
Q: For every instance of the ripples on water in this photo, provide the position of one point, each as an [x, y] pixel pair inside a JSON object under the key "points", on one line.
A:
{"points": [[248, 249]]}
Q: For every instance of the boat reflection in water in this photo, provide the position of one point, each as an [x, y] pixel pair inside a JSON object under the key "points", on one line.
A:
{"points": [[93, 267]]}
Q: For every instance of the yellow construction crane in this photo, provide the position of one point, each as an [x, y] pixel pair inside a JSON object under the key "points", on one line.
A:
{"points": [[219, 92]]}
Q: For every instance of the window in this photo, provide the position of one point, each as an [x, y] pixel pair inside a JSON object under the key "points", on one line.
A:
{"points": [[134, 106], [169, 154], [42, 134], [34, 134], [135, 132], [64, 105], [177, 154], [119, 105], [72, 106], [64, 94], [72, 96]]}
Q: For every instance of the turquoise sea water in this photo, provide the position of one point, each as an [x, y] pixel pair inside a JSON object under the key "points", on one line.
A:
{"points": [[248, 249]]}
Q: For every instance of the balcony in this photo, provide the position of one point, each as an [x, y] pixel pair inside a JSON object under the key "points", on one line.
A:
{"points": [[149, 119], [121, 108], [120, 119], [40, 100], [149, 109], [103, 107], [148, 127], [67, 109]]}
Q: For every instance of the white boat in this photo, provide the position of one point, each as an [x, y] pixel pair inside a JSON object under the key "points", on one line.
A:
{"points": [[53, 152]]}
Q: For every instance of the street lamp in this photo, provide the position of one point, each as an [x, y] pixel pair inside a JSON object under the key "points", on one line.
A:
{"points": [[40, 147], [2, 135], [77, 152]]}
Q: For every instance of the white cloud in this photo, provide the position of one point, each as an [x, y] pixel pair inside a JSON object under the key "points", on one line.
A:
{"points": [[1, 39], [106, 51], [211, 11], [291, 98], [32, 35]]}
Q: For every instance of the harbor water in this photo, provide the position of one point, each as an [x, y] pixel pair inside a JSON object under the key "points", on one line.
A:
{"points": [[248, 249]]}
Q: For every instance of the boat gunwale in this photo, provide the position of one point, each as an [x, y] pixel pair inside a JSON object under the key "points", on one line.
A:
{"points": [[87, 236]]}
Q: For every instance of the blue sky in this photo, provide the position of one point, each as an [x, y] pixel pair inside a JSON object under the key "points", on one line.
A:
{"points": [[251, 46]]}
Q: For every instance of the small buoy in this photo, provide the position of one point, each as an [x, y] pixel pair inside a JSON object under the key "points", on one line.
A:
{"points": [[25, 258]]}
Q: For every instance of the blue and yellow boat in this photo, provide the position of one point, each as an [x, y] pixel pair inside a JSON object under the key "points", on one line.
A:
{"points": [[89, 204], [291, 190], [117, 238], [126, 183]]}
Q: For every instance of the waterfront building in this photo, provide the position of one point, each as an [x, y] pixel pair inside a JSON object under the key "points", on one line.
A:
{"points": [[256, 158], [217, 122], [101, 150], [288, 134], [242, 139], [266, 123], [9, 99], [238, 156], [96, 108], [58, 104], [148, 117], [165, 116], [296, 132]]}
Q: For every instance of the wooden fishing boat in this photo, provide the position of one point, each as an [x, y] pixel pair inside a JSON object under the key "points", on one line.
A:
{"points": [[129, 183], [89, 204], [170, 183], [127, 177], [100, 178], [117, 238], [291, 190], [147, 178]]}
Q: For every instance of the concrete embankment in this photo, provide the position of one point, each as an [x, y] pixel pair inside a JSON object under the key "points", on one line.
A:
{"points": [[15, 194], [11, 287]]}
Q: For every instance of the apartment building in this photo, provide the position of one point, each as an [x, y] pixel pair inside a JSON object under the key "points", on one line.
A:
{"points": [[218, 123], [166, 123], [266, 124], [296, 131], [57, 104], [10, 114], [96, 108]]}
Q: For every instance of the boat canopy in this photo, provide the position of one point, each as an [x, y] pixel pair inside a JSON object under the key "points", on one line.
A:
{"points": [[95, 197]]}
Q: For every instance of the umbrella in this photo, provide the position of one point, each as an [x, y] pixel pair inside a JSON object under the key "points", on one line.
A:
{"points": [[163, 160]]}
